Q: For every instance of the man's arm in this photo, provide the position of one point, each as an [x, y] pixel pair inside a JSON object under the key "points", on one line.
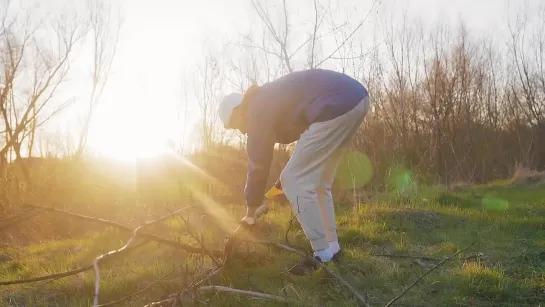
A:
{"points": [[260, 148], [261, 120]]}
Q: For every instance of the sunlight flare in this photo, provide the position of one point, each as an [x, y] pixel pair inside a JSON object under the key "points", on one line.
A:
{"points": [[217, 211]]}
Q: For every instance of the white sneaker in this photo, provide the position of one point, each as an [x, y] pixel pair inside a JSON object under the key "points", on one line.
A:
{"points": [[324, 254], [334, 247]]}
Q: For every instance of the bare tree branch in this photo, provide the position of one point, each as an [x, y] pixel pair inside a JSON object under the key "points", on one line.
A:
{"points": [[102, 60], [351, 34], [282, 42]]}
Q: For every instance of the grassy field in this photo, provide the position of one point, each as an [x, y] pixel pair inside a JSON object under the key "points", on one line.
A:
{"points": [[505, 267]]}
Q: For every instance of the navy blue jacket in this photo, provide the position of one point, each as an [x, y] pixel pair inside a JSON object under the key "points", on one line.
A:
{"points": [[281, 110]]}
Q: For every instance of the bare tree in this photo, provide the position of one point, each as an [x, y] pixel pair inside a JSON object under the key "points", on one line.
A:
{"points": [[105, 35], [208, 89], [33, 70]]}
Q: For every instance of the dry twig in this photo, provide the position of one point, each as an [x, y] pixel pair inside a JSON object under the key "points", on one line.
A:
{"points": [[429, 271], [407, 257], [17, 216], [231, 290], [139, 291], [324, 267], [174, 297], [195, 284], [289, 228], [16, 219], [47, 277], [129, 242], [200, 240], [174, 244], [245, 292], [58, 275]]}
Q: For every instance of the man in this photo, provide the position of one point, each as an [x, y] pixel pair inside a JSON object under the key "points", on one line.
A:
{"points": [[321, 110]]}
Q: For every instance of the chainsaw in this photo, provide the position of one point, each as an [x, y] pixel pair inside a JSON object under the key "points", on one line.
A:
{"points": [[244, 229]]}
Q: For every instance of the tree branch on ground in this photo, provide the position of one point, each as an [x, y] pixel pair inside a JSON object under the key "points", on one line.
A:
{"points": [[178, 245], [245, 292], [174, 297], [139, 291], [200, 240], [60, 275], [127, 245], [405, 256], [321, 265], [428, 272], [192, 286], [14, 220]]}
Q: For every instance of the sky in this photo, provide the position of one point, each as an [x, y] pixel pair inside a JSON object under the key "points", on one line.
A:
{"points": [[161, 40]]}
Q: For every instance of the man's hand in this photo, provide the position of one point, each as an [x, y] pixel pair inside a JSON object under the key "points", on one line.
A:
{"points": [[251, 216]]}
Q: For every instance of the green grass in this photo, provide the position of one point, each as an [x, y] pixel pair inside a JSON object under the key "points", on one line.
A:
{"points": [[506, 267]]}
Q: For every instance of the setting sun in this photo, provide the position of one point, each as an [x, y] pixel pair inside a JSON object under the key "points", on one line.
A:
{"points": [[129, 132]]}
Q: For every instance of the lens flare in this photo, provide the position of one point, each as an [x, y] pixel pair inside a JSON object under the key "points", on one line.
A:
{"points": [[494, 203], [401, 181], [354, 171]]}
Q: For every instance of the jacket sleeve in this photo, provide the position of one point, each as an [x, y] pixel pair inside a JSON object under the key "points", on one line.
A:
{"points": [[260, 148]]}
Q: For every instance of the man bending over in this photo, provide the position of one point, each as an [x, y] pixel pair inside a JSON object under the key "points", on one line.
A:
{"points": [[321, 110]]}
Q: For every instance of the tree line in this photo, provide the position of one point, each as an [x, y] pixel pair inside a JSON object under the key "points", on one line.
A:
{"points": [[449, 104]]}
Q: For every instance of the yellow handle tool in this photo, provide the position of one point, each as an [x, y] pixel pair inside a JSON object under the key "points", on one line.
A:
{"points": [[273, 192]]}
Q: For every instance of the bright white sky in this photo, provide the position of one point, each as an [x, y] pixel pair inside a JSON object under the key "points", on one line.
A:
{"points": [[160, 38]]}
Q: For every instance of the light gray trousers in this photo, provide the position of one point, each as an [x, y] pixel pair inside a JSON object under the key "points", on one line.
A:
{"points": [[310, 172]]}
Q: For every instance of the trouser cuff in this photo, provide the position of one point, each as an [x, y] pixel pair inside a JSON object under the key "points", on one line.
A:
{"points": [[318, 244]]}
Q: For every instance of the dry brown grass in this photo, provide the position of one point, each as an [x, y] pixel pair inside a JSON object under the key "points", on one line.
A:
{"points": [[526, 176]]}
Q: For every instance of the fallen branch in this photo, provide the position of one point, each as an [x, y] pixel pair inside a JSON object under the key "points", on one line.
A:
{"points": [[324, 267], [195, 284], [279, 246], [123, 248], [17, 216], [137, 292], [475, 256], [16, 219], [174, 244], [232, 290], [407, 257], [409, 305], [245, 292], [344, 282], [242, 230], [174, 297], [47, 277], [428, 272], [58, 275], [200, 240], [289, 228]]}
